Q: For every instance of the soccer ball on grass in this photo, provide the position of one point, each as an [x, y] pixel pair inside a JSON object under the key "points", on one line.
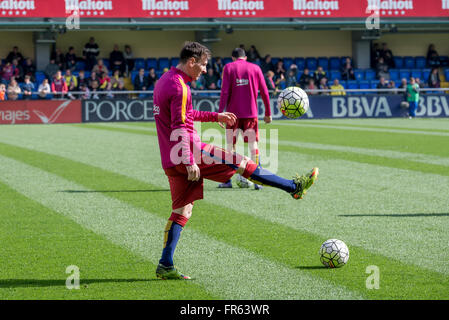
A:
{"points": [[334, 253], [293, 102]]}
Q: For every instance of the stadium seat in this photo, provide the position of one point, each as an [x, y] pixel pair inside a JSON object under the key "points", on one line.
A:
{"points": [[106, 63], [87, 74], [394, 74], [227, 60], [374, 84], [416, 73], [399, 62], [80, 65], [300, 63], [334, 74], [420, 62], [139, 63], [444, 61], [334, 63], [343, 60], [287, 63], [352, 84], [151, 63], [40, 76], [323, 62], [446, 74], [163, 63], [359, 74], [174, 61], [370, 74], [404, 73], [364, 84], [426, 73], [311, 63], [409, 63], [344, 83], [275, 60]]}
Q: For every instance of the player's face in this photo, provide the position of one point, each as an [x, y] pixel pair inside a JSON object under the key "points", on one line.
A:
{"points": [[199, 67]]}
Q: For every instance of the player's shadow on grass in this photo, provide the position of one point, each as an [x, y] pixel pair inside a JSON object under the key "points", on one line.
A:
{"points": [[399, 215], [24, 283], [311, 267], [113, 191]]}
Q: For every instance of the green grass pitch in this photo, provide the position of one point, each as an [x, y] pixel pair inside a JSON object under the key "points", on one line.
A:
{"points": [[95, 196]]}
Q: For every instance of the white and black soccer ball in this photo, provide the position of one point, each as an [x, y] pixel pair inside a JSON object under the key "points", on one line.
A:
{"points": [[334, 253], [293, 102]]}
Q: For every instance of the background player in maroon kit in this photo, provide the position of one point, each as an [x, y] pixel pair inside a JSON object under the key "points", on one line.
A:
{"points": [[187, 161], [242, 82]]}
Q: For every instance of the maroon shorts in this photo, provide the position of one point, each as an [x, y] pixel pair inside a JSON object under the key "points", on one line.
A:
{"points": [[248, 127], [217, 165]]}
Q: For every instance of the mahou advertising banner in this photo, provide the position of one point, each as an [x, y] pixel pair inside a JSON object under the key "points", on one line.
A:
{"points": [[40, 111], [223, 8]]}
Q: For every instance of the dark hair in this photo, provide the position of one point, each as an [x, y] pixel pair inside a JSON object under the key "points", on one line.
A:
{"points": [[195, 50], [238, 53]]}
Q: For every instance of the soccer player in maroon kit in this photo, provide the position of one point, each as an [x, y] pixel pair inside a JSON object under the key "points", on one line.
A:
{"points": [[187, 161], [241, 84]]}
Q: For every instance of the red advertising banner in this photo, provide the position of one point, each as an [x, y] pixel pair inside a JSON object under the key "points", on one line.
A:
{"points": [[40, 111], [223, 8]]}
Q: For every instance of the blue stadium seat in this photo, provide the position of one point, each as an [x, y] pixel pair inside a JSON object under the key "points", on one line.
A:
{"points": [[444, 62], [334, 74], [409, 63], [287, 63], [227, 60], [399, 62], [404, 73], [87, 74], [275, 60], [344, 83], [151, 63], [80, 65], [139, 63], [163, 63], [359, 74], [370, 74], [364, 84], [334, 63], [323, 62], [106, 63], [374, 84], [446, 74], [426, 73], [40, 76], [311, 63], [300, 63], [343, 60], [394, 74], [416, 73], [352, 84], [174, 61], [420, 62]]}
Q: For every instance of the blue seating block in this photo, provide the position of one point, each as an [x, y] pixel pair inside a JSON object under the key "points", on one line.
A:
{"points": [[420, 62], [311, 63], [334, 63], [300, 63], [163, 63], [151, 63], [399, 62], [370, 74], [323, 62], [409, 63]]}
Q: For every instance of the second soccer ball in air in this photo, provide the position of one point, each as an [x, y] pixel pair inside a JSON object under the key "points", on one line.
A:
{"points": [[293, 102]]}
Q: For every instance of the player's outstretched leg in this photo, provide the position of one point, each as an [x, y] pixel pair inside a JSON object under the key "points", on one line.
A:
{"points": [[166, 270], [297, 187]]}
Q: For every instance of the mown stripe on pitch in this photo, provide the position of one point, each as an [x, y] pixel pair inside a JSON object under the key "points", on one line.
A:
{"points": [[393, 159], [38, 244], [227, 271], [280, 243], [386, 193]]}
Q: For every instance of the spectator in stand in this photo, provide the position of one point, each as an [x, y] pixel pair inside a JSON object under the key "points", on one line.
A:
{"points": [[323, 86], [412, 97], [129, 59], [375, 55], [13, 90], [44, 89], [279, 69], [403, 88], [93, 77], [266, 64], [211, 79], [70, 78], [59, 86], [434, 79], [29, 69], [2, 92], [347, 73], [120, 87], [28, 88], [201, 83], [340, 90], [382, 85], [290, 80], [253, 55], [382, 69], [85, 91], [117, 60], [15, 54], [70, 59], [152, 78], [141, 81], [218, 66], [95, 89], [116, 79], [420, 84], [433, 59], [8, 72], [269, 80], [305, 78], [51, 69], [392, 85], [387, 55], [318, 75], [105, 82], [82, 79], [90, 53], [311, 87], [99, 68], [59, 58], [294, 68], [17, 70]]}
